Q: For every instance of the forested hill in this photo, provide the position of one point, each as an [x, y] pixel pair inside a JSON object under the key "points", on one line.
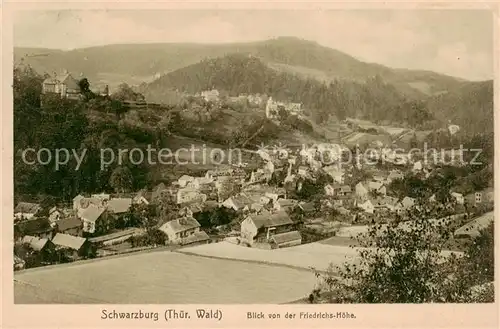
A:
{"points": [[374, 99], [134, 63], [470, 106], [236, 74]]}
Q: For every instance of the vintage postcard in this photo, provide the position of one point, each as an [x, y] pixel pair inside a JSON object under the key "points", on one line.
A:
{"points": [[249, 165]]}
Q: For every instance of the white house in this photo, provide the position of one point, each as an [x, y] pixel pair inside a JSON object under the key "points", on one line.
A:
{"points": [[360, 191], [459, 198], [329, 190], [90, 217], [367, 206], [240, 202], [210, 95], [63, 84], [184, 230]]}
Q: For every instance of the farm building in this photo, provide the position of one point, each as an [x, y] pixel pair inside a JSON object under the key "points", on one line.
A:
{"points": [[70, 225], [287, 239], [73, 246], [260, 228], [115, 238]]}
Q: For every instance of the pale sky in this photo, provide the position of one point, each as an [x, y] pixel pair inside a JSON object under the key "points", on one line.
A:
{"points": [[453, 42]]}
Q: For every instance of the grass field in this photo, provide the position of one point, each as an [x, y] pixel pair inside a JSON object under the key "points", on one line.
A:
{"points": [[315, 255], [162, 277]]}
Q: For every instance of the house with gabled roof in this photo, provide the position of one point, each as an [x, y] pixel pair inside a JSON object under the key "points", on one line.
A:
{"points": [[394, 175], [405, 204], [26, 210], [73, 246], [56, 214], [119, 206], [287, 239], [63, 85], [361, 191], [36, 243], [70, 225], [385, 203], [158, 191], [367, 206], [184, 230], [285, 204], [239, 202], [142, 197], [92, 218], [39, 227], [259, 228], [376, 187], [184, 180]]}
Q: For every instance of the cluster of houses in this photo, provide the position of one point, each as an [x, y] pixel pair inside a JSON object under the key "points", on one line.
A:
{"points": [[273, 107], [69, 230], [265, 209]]}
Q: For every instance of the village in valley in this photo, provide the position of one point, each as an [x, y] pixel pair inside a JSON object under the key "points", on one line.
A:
{"points": [[283, 170], [290, 198]]}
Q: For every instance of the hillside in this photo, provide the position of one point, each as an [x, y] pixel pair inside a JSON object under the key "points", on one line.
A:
{"points": [[470, 106], [375, 99], [235, 74], [135, 63]]}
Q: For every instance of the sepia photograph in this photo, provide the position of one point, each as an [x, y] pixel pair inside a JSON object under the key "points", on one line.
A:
{"points": [[297, 157]]}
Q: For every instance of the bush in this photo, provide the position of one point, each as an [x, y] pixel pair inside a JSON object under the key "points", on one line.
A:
{"points": [[405, 264]]}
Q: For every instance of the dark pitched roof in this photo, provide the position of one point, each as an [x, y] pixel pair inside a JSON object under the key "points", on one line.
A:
{"points": [[275, 219], [34, 242], [68, 241], [286, 237], [27, 208], [196, 237], [307, 206], [157, 191], [68, 223], [34, 226], [119, 205], [92, 213], [345, 188]]}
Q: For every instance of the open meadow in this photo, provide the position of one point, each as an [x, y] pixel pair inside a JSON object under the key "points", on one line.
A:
{"points": [[306, 256], [162, 277]]}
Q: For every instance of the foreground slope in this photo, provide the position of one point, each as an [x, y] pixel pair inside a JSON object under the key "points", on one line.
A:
{"points": [[162, 277]]}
